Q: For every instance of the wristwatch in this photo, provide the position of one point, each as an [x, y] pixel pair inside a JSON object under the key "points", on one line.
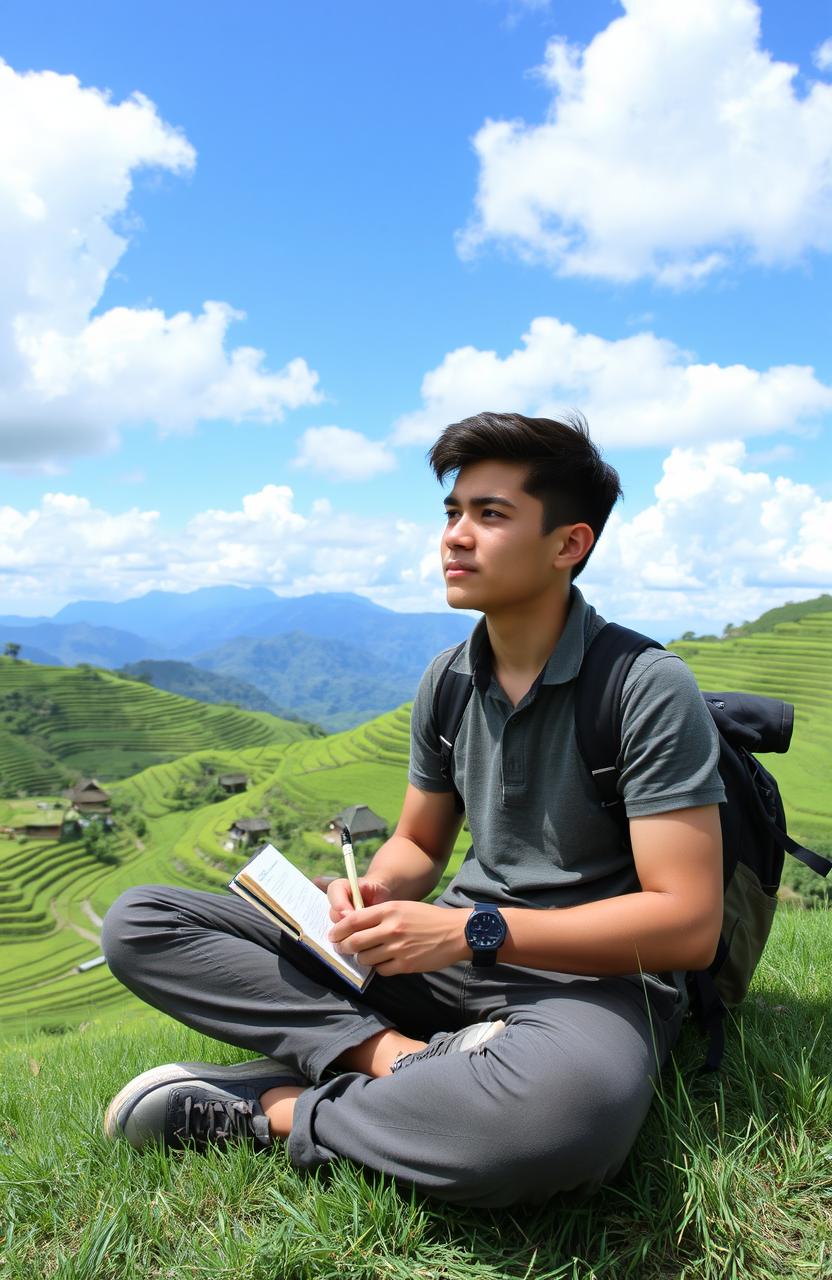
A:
{"points": [[485, 933]]}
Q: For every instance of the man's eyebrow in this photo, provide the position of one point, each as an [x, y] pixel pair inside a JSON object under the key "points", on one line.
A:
{"points": [[489, 500]]}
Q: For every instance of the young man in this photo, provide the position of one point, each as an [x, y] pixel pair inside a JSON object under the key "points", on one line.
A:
{"points": [[507, 1046]]}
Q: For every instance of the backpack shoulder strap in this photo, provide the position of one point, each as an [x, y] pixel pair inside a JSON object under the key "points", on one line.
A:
{"points": [[598, 691], [451, 697]]}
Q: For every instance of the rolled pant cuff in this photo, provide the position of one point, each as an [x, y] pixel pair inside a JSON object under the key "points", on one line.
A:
{"points": [[301, 1146]]}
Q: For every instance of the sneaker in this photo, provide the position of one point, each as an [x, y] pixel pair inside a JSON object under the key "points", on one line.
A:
{"points": [[466, 1039], [197, 1104]]}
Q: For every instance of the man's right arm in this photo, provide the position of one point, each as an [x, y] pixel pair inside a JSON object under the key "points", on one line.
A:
{"points": [[409, 864]]}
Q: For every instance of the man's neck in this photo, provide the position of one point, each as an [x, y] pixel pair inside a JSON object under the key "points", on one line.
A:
{"points": [[522, 638]]}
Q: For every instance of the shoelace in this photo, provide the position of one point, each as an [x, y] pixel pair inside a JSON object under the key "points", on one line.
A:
{"points": [[215, 1121]]}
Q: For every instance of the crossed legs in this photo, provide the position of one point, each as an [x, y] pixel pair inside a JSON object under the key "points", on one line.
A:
{"points": [[552, 1103]]}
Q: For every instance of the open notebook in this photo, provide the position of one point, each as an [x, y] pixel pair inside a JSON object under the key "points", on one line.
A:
{"points": [[274, 885]]}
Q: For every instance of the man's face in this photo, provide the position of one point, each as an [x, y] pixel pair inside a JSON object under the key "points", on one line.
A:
{"points": [[494, 552]]}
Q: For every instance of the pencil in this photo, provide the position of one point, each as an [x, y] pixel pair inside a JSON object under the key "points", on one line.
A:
{"points": [[352, 874]]}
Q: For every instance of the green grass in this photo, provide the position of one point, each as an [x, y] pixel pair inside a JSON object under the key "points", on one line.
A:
{"points": [[730, 1179]]}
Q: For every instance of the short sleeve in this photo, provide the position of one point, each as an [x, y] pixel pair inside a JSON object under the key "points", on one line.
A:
{"points": [[424, 771], [669, 744]]}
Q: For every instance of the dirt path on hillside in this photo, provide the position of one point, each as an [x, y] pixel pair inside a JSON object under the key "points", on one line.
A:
{"points": [[64, 922], [91, 913]]}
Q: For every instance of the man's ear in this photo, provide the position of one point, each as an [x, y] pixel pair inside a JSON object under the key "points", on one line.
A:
{"points": [[574, 542]]}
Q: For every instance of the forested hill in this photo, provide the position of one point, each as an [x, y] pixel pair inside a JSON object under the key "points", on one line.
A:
{"points": [[205, 686], [770, 620]]}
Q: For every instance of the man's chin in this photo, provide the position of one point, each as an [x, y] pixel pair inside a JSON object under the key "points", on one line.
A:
{"points": [[459, 597]]}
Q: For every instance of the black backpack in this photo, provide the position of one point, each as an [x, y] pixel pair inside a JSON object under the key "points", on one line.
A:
{"points": [[753, 822]]}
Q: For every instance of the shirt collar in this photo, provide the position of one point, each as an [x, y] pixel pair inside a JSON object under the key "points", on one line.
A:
{"points": [[562, 665]]}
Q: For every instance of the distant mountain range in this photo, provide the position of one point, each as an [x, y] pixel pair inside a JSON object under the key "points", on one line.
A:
{"points": [[335, 658]]}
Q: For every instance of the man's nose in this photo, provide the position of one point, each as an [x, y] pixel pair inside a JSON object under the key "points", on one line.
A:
{"points": [[461, 531]]}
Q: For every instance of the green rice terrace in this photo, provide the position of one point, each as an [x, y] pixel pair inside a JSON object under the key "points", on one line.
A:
{"points": [[793, 662], [58, 722], [172, 822]]}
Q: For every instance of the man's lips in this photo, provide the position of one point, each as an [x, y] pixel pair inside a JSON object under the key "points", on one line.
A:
{"points": [[454, 569]]}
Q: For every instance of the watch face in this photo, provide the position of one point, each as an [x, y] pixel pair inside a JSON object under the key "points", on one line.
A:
{"points": [[485, 930]]}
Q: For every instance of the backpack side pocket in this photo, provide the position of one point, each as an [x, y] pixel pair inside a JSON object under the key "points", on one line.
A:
{"points": [[746, 924]]}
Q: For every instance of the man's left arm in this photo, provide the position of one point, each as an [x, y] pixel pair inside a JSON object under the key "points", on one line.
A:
{"points": [[673, 923]]}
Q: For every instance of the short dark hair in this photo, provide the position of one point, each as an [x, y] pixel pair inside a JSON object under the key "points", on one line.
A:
{"points": [[566, 470]]}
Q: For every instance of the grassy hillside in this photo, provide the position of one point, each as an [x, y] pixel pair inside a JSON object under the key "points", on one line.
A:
{"points": [[57, 721], [793, 662]]}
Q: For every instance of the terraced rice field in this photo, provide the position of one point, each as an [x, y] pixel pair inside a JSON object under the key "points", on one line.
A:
{"points": [[308, 780], [102, 726], [793, 662]]}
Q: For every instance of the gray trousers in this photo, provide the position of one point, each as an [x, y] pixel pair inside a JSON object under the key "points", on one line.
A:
{"points": [[553, 1103]]}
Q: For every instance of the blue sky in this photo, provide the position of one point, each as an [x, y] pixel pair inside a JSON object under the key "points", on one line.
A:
{"points": [[639, 210]]}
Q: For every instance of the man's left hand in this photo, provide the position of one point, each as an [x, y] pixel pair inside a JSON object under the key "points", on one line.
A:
{"points": [[403, 937]]}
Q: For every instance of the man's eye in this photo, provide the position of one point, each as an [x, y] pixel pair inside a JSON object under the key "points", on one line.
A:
{"points": [[490, 511], [450, 515]]}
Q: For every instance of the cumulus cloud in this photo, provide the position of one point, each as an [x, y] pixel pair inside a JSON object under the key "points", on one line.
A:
{"points": [[674, 143], [70, 379], [343, 454], [639, 390], [822, 56], [721, 542], [70, 549]]}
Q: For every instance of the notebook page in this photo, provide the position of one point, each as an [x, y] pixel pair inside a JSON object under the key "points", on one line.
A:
{"points": [[301, 899]]}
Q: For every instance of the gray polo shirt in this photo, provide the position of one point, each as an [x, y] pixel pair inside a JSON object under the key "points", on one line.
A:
{"points": [[539, 835]]}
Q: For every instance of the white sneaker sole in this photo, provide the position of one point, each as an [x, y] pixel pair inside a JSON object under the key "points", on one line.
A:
{"points": [[485, 1032], [172, 1072], [467, 1040]]}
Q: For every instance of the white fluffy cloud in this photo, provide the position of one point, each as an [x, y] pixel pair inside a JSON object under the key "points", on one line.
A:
{"points": [[673, 143], [640, 390], [66, 548], [343, 454], [721, 542], [823, 56], [70, 380]]}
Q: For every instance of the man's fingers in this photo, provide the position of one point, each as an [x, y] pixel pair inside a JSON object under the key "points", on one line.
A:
{"points": [[340, 898], [355, 934]]}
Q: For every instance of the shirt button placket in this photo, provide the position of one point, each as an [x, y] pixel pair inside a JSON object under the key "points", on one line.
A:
{"points": [[513, 762]]}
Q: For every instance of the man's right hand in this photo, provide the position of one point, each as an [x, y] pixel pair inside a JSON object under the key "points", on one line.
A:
{"points": [[340, 898]]}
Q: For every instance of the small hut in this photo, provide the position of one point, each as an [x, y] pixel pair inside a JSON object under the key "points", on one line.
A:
{"points": [[247, 831], [46, 825], [233, 782], [88, 797], [363, 823]]}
